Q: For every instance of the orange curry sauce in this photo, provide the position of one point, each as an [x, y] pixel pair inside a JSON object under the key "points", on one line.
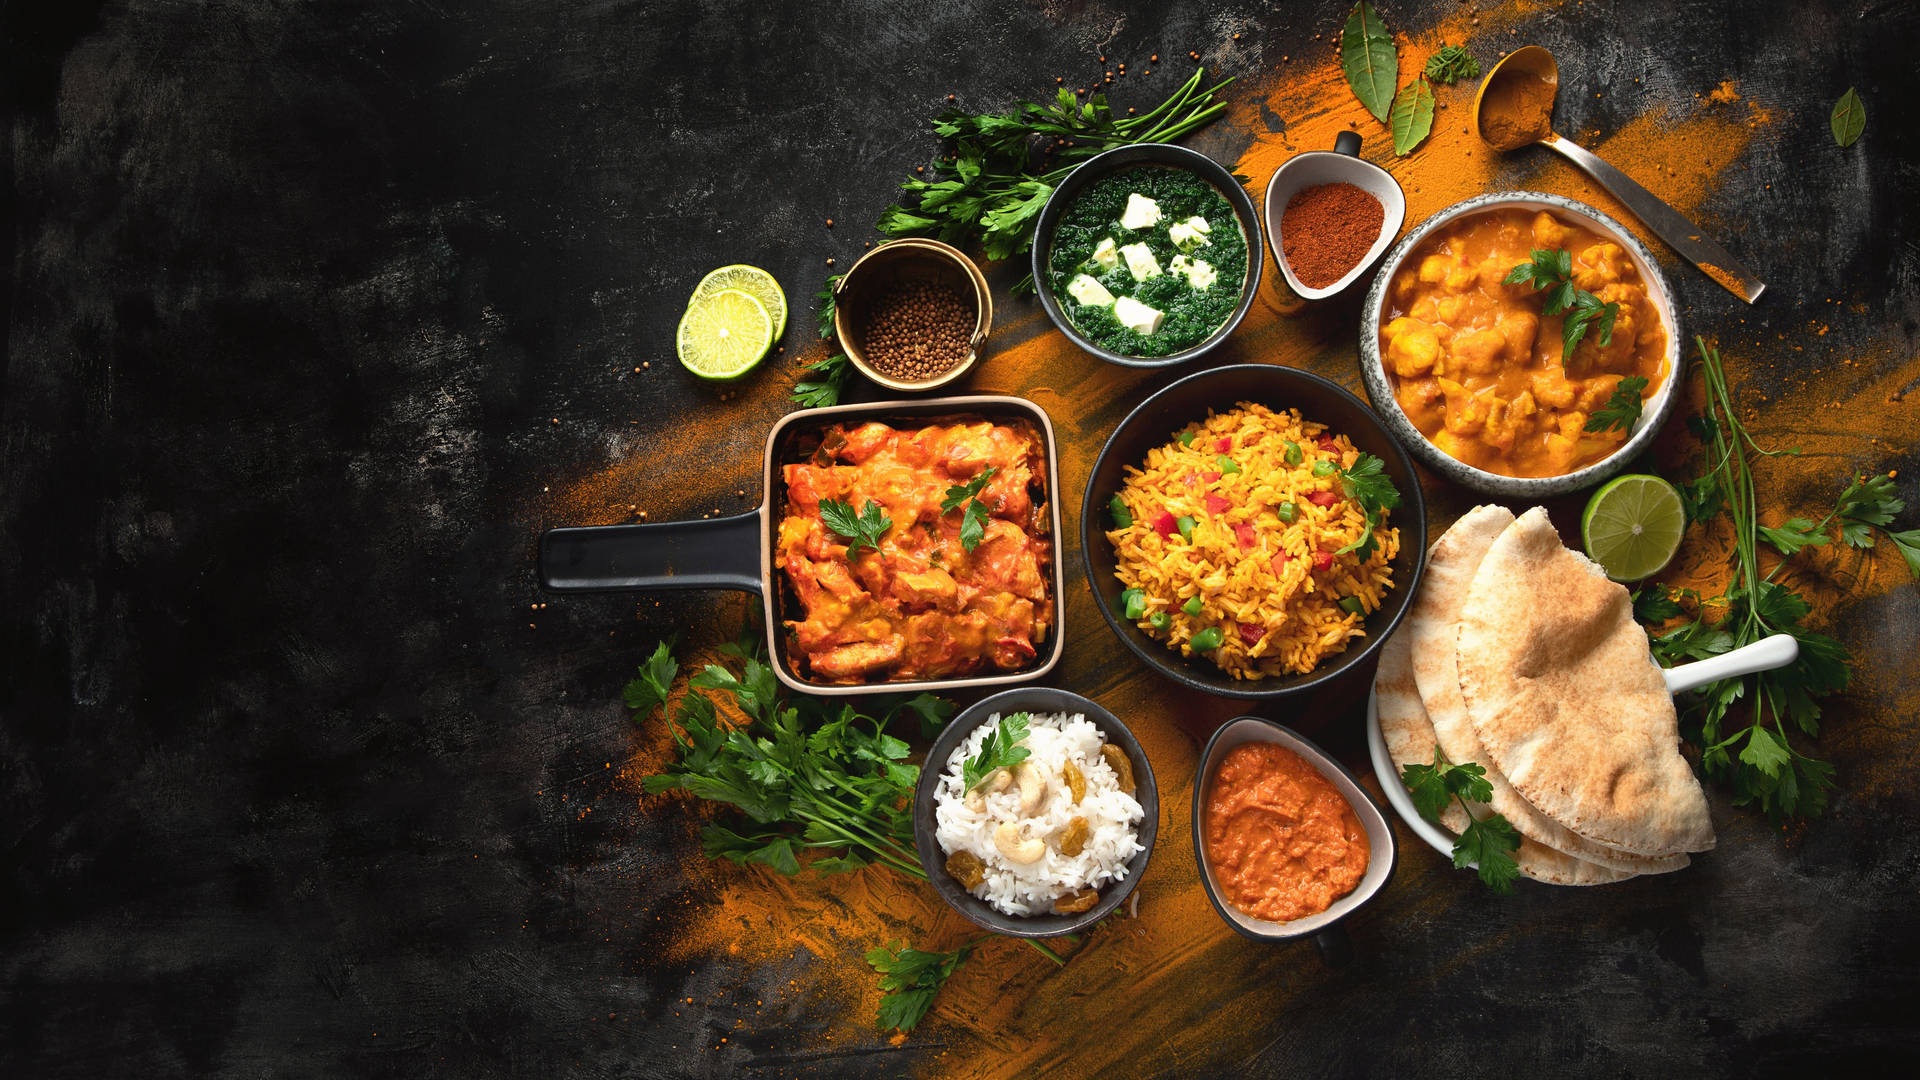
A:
{"points": [[1477, 367], [922, 606], [1282, 842]]}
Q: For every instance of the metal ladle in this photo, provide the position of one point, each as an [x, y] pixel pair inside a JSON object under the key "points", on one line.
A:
{"points": [[1682, 235]]}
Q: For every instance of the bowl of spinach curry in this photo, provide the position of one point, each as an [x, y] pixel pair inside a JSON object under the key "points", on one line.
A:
{"points": [[1142, 255]]}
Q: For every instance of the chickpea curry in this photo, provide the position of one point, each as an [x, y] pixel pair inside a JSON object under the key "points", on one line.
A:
{"points": [[1478, 368], [925, 604]]}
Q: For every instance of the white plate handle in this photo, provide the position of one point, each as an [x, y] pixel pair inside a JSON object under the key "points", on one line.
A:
{"points": [[1763, 655]]}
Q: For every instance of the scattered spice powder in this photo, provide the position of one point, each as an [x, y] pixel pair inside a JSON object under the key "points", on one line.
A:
{"points": [[1327, 229], [918, 330]]}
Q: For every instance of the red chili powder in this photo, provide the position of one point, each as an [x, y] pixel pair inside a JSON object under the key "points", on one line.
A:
{"points": [[1327, 230]]}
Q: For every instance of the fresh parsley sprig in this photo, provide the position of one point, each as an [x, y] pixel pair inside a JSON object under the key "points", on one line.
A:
{"points": [[1622, 410], [989, 190], [973, 522], [808, 773], [909, 979], [1752, 750], [1552, 270], [860, 530], [1451, 64], [1368, 484], [1001, 749], [1488, 842], [827, 306], [825, 388]]}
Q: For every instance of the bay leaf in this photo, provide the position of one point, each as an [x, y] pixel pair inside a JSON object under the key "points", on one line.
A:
{"points": [[1368, 58], [1412, 119], [1849, 118]]}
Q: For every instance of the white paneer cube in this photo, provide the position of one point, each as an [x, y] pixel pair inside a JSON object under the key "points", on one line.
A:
{"points": [[1140, 262], [1105, 255], [1137, 316], [1086, 290], [1141, 212], [1199, 273], [1189, 234]]}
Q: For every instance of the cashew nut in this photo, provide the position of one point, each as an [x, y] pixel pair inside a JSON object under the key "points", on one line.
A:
{"points": [[1013, 842], [976, 800], [1033, 787], [1000, 781]]}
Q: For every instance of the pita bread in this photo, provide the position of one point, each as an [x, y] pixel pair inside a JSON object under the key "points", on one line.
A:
{"points": [[1563, 693], [1433, 625], [1409, 738]]}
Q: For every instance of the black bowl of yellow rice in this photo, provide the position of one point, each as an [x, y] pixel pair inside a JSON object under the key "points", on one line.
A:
{"points": [[1225, 531]]}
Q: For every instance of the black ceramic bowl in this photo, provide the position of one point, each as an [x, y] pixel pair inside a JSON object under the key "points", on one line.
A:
{"points": [[1033, 699], [1156, 421], [1383, 852], [1169, 155]]}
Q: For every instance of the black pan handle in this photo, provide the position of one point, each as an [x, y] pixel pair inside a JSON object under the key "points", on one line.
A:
{"points": [[717, 553]]}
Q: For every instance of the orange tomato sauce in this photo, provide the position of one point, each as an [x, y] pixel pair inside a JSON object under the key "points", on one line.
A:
{"points": [[1477, 366], [923, 606], [1282, 842]]}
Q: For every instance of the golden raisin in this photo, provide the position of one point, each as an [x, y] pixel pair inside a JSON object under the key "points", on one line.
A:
{"points": [[1117, 760], [1073, 838], [967, 869], [1075, 903], [1076, 780]]}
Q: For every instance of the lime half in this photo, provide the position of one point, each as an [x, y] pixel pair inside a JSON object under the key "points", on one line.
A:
{"points": [[751, 280], [1633, 525], [724, 335]]}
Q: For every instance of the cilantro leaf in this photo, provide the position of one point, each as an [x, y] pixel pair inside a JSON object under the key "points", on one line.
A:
{"points": [[860, 530], [1451, 64], [1622, 410], [824, 390], [1908, 543], [1368, 484], [1865, 504], [1792, 535], [999, 750], [825, 297], [909, 979], [1552, 270], [649, 690], [1427, 785], [962, 492], [1656, 604], [973, 522], [1490, 842]]}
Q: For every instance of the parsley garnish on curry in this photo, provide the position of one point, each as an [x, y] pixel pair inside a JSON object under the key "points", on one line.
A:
{"points": [[1481, 320], [950, 575], [1149, 261]]}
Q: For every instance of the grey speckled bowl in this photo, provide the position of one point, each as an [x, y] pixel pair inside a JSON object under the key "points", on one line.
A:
{"points": [[1373, 371]]}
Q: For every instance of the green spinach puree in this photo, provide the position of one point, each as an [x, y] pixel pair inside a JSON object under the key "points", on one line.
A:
{"points": [[1191, 315]]}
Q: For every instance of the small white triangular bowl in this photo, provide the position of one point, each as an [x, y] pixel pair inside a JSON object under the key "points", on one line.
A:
{"points": [[1340, 165]]}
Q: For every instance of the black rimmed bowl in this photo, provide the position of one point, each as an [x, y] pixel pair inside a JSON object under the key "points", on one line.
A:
{"points": [[1031, 699], [1157, 420], [1165, 155], [1382, 852]]}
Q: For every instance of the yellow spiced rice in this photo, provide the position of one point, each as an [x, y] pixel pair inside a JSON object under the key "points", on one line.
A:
{"points": [[1275, 606]]}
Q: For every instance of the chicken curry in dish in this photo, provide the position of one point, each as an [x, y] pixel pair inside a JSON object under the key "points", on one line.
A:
{"points": [[1477, 366], [942, 595]]}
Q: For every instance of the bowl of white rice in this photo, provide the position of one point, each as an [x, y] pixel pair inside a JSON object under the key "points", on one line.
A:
{"points": [[1035, 844]]}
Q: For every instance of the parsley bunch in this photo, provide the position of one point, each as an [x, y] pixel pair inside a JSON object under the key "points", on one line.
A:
{"points": [[809, 774], [1753, 751], [990, 188], [1488, 842], [1368, 484], [1553, 271], [973, 522]]}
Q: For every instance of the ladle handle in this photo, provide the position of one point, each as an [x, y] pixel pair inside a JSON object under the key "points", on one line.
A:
{"points": [[1682, 235], [1768, 653]]}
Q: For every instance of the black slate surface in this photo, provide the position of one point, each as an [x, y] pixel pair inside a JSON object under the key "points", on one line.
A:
{"points": [[307, 304]]}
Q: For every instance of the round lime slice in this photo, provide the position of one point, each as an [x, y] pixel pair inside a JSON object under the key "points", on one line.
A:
{"points": [[724, 335], [751, 280], [1632, 526]]}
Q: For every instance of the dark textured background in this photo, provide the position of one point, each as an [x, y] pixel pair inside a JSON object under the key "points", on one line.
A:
{"points": [[309, 304]]}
